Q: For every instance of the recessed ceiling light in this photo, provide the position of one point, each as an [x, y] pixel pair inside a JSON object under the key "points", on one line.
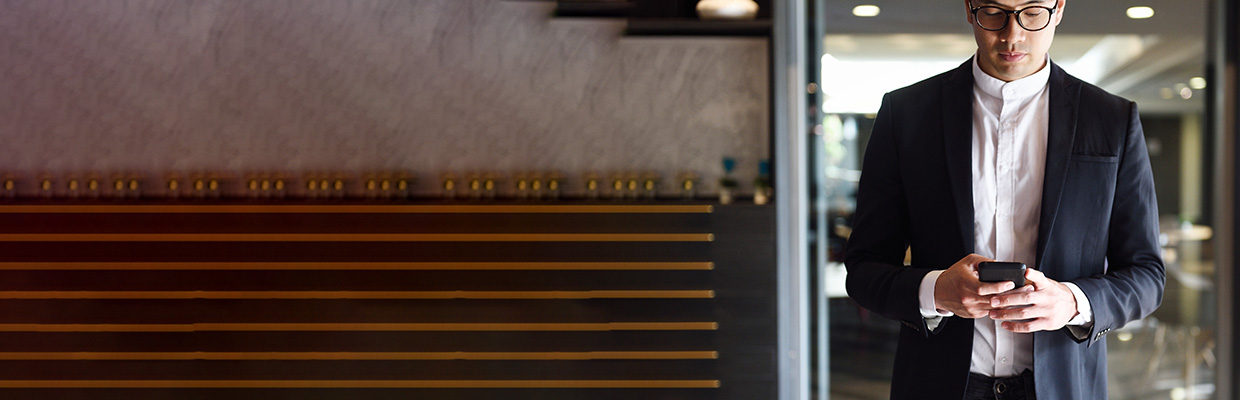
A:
{"points": [[1140, 12], [866, 11], [1186, 93], [1166, 93], [1197, 82]]}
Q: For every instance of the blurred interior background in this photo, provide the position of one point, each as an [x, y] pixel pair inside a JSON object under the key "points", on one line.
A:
{"points": [[1151, 52]]}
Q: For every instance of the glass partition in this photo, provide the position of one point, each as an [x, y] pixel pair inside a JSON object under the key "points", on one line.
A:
{"points": [[1158, 61]]}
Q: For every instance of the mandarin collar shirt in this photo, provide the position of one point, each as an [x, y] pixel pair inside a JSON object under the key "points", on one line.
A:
{"points": [[1010, 122], [1010, 127]]}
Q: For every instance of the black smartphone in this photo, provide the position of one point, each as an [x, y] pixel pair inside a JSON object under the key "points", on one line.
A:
{"points": [[1001, 271]]}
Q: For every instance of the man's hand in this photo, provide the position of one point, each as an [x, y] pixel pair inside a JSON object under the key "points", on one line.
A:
{"points": [[1041, 305], [958, 290]]}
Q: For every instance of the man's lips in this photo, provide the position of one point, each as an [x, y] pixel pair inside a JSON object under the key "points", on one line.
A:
{"points": [[1011, 56]]}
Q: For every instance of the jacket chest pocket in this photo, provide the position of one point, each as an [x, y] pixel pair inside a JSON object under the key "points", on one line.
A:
{"points": [[1092, 175], [1085, 158]]}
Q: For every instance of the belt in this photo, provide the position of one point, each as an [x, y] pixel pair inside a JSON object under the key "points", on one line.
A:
{"points": [[1006, 388]]}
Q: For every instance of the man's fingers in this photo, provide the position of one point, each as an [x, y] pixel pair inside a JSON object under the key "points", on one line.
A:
{"points": [[1025, 326], [1017, 313], [977, 311], [975, 315], [1018, 297], [989, 288], [971, 261], [974, 307], [957, 289], [1021, 313], [1038, 306]]}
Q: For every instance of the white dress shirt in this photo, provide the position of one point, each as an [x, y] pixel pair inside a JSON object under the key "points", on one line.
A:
{"points": [[1010, 125]]}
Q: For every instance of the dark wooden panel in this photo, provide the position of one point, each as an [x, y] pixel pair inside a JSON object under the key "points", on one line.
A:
{"points": [[353, 252], [354, 223], [351, 311], [724, 305], [217, 341], [354, 280], [359, 370]]}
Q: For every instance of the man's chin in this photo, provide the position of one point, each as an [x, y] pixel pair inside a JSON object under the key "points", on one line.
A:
{"points": [[1012, 71]]}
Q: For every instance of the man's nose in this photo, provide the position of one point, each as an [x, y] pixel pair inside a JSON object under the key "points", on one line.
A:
{"points": [[1013, 32]]}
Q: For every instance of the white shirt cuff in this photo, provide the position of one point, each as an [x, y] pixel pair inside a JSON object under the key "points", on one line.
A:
{"points": [[1084, 313], [925, 297]]}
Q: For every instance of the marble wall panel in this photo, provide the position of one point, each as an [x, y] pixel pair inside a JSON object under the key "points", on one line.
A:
{"points": [[154, 86]]}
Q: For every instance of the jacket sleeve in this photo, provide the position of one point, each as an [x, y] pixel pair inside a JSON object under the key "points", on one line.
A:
{"points": [[877, 277], [1132, 286]]}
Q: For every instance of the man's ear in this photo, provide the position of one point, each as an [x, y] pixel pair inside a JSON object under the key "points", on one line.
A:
{"points": [[968, 11], [1059, 14]]}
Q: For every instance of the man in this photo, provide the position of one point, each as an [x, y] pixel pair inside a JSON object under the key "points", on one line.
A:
{"points": [[1008, 158]]}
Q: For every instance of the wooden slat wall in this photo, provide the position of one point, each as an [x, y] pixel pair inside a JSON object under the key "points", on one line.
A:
{"points": [[387, 301]]}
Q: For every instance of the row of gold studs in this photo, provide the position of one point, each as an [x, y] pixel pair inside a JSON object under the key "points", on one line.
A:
{"points": [[341, 185]]}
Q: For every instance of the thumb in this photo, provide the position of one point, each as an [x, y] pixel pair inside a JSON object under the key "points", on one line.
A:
{"points": [[973, 260], [1036, 277]]}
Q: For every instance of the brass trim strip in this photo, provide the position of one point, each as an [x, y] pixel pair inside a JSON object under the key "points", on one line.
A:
{"points": [[357, 266], [357, 237], [367, 327], [96, 327], [361, 384], [345, 355], [353, 209], [356, 295]]}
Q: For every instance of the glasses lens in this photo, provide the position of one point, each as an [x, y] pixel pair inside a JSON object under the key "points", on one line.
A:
{"points": [[1035, 18], [992, 18]]}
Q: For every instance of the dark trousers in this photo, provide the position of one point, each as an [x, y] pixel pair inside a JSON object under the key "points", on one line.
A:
{"points": [[982, 387]]}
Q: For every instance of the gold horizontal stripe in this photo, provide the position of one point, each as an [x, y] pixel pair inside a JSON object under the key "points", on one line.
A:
{"points": [[429, 356], [359, 266], [362, 384], [354, 209], [379, 295], [356, 237], [367, 327]]}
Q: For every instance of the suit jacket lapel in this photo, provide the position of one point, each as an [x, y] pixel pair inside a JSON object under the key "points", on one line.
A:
{"points": [[1064, 95], [957, 109]]}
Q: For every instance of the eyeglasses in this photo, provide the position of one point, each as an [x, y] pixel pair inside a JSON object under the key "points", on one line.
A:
{"points": [[992, 18]]}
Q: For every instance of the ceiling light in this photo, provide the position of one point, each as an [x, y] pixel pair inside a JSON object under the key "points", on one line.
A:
{"points": [[1166, 93], [866, 11], [1197, 82], [1186, 93], [1140, 12]]}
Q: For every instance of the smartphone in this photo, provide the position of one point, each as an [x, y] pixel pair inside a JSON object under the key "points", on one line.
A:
{"points": [[1001, 271]]}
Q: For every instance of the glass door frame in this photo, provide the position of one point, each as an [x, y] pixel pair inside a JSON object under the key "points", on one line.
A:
{"points": [[1223, 110], [789, 104], [796, 42]]}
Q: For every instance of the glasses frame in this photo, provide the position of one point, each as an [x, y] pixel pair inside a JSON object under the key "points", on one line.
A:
{"points": [[1015, 13]]}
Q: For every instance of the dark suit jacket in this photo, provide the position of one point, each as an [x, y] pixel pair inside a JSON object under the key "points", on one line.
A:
{"points": [[1098, 228]]}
